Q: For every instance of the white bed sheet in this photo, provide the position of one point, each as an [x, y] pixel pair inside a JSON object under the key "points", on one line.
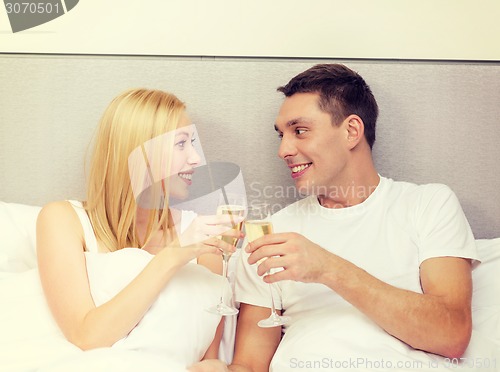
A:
{"points": [[31, 340]]}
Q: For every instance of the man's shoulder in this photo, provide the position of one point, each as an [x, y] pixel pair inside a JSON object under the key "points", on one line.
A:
{"points": [[410, 192], [411, 189]]}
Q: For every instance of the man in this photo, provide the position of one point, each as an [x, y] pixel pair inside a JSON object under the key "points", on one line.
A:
{"points": [[371, 271]]}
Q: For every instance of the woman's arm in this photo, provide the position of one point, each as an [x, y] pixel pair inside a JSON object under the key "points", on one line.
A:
{"points": [[62, 266]]}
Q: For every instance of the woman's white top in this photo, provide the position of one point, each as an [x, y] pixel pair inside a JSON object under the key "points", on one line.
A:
{"points": [[177, 326]]}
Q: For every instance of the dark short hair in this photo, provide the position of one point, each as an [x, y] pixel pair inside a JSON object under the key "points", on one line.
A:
{"points": [[342, 92]]}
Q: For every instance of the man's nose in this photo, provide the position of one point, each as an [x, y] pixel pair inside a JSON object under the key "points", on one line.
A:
{"points": [[287, 148]]}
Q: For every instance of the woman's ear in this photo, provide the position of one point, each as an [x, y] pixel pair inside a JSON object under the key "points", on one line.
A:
{"points": [[355, 130]]}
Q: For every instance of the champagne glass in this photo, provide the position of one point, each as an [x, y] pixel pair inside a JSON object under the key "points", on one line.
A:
{"points": [[234, 206], [258, 224]]}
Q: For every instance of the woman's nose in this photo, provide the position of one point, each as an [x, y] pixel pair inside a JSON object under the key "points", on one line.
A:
{"points": [[194, 157]]}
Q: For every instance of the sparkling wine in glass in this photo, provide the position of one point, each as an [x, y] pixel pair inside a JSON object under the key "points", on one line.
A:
{"points": [[258, 224], [235, 209]]}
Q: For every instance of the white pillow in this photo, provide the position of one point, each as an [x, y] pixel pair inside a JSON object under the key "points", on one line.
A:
{"points": [[111, 359], [17, 237], [177, 325], [29, 336], [486, 290]]}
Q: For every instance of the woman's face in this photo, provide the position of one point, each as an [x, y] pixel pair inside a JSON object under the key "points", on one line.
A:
{"points": [[184, 158], [165, 164]]}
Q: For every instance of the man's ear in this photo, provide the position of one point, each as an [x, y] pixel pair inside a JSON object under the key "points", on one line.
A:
{"points": [[355, 130]]}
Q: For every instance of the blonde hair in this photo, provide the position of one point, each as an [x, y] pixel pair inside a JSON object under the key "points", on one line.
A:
{"points": [[132, 118]]}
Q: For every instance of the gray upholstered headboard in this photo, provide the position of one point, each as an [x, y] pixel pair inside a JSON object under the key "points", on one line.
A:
{"points": [[439, 122]]}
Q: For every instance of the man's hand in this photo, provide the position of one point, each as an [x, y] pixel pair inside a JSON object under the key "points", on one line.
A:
{"points": [[441, 315], [301, 259]]}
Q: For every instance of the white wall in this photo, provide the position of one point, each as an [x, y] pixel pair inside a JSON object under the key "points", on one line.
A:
{"points": [[439, 122], [390, 29]]}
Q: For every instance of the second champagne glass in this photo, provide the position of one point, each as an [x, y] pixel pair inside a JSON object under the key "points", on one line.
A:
{"points": [[234, 206], [258, 224]]}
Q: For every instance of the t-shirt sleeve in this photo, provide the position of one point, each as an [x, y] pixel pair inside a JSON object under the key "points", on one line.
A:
{"points": [[442, 228]]}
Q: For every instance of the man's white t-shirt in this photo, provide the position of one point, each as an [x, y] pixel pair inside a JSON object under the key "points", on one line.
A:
{"points": [[389, 235]]}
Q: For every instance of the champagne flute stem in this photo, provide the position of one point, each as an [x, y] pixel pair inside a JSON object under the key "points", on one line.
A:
{"points": [[273, 308], [225, 260]]}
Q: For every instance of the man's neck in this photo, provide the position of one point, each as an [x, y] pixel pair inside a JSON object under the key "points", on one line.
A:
{"points": [[352, 189]]}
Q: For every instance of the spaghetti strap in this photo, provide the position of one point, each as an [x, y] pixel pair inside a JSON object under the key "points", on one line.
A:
{"points": [[88, 231]]}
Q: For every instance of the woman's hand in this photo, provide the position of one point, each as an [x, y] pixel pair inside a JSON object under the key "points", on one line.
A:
{"points": [[203, 236], [182, 255], [204, 227], [209, 365]]}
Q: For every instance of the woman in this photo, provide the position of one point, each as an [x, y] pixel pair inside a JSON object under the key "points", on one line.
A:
{"points": [[118, 217]]}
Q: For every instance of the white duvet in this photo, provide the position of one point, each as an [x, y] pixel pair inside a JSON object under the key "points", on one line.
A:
{"points": [[175, 332]]}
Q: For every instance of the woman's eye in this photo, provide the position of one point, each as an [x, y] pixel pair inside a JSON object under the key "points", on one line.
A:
{"points": [[181, 144]]}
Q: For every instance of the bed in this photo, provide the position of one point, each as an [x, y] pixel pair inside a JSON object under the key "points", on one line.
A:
{"points": [[434, 118], [30, 339]]}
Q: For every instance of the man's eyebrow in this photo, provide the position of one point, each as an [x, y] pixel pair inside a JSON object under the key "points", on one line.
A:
{"points": [[292, 122]]}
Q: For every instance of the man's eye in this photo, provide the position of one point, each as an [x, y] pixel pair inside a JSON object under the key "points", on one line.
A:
{"points": [[280, 136], [300, 131]]}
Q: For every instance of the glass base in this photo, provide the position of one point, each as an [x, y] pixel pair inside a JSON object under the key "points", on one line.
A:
{"points": [[274, 320], [223, 309]]}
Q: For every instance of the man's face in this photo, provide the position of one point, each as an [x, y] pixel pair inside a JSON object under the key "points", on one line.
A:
{"points": [[312, 147]]}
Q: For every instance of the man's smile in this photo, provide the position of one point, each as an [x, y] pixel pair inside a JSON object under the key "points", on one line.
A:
{"points": [[299, 169]]}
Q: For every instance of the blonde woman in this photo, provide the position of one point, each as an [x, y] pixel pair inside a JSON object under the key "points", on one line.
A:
{"points": [[139, 237]]}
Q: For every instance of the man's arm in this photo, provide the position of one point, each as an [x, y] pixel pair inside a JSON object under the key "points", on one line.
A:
{"points": [[254, 346], [437, 321]]}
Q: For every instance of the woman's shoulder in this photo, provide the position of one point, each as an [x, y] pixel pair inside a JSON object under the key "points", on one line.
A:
{"points": [[55, 209], [60, 216]]}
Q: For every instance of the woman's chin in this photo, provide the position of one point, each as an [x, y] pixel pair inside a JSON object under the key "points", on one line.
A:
{"points": [[179, 194]]}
